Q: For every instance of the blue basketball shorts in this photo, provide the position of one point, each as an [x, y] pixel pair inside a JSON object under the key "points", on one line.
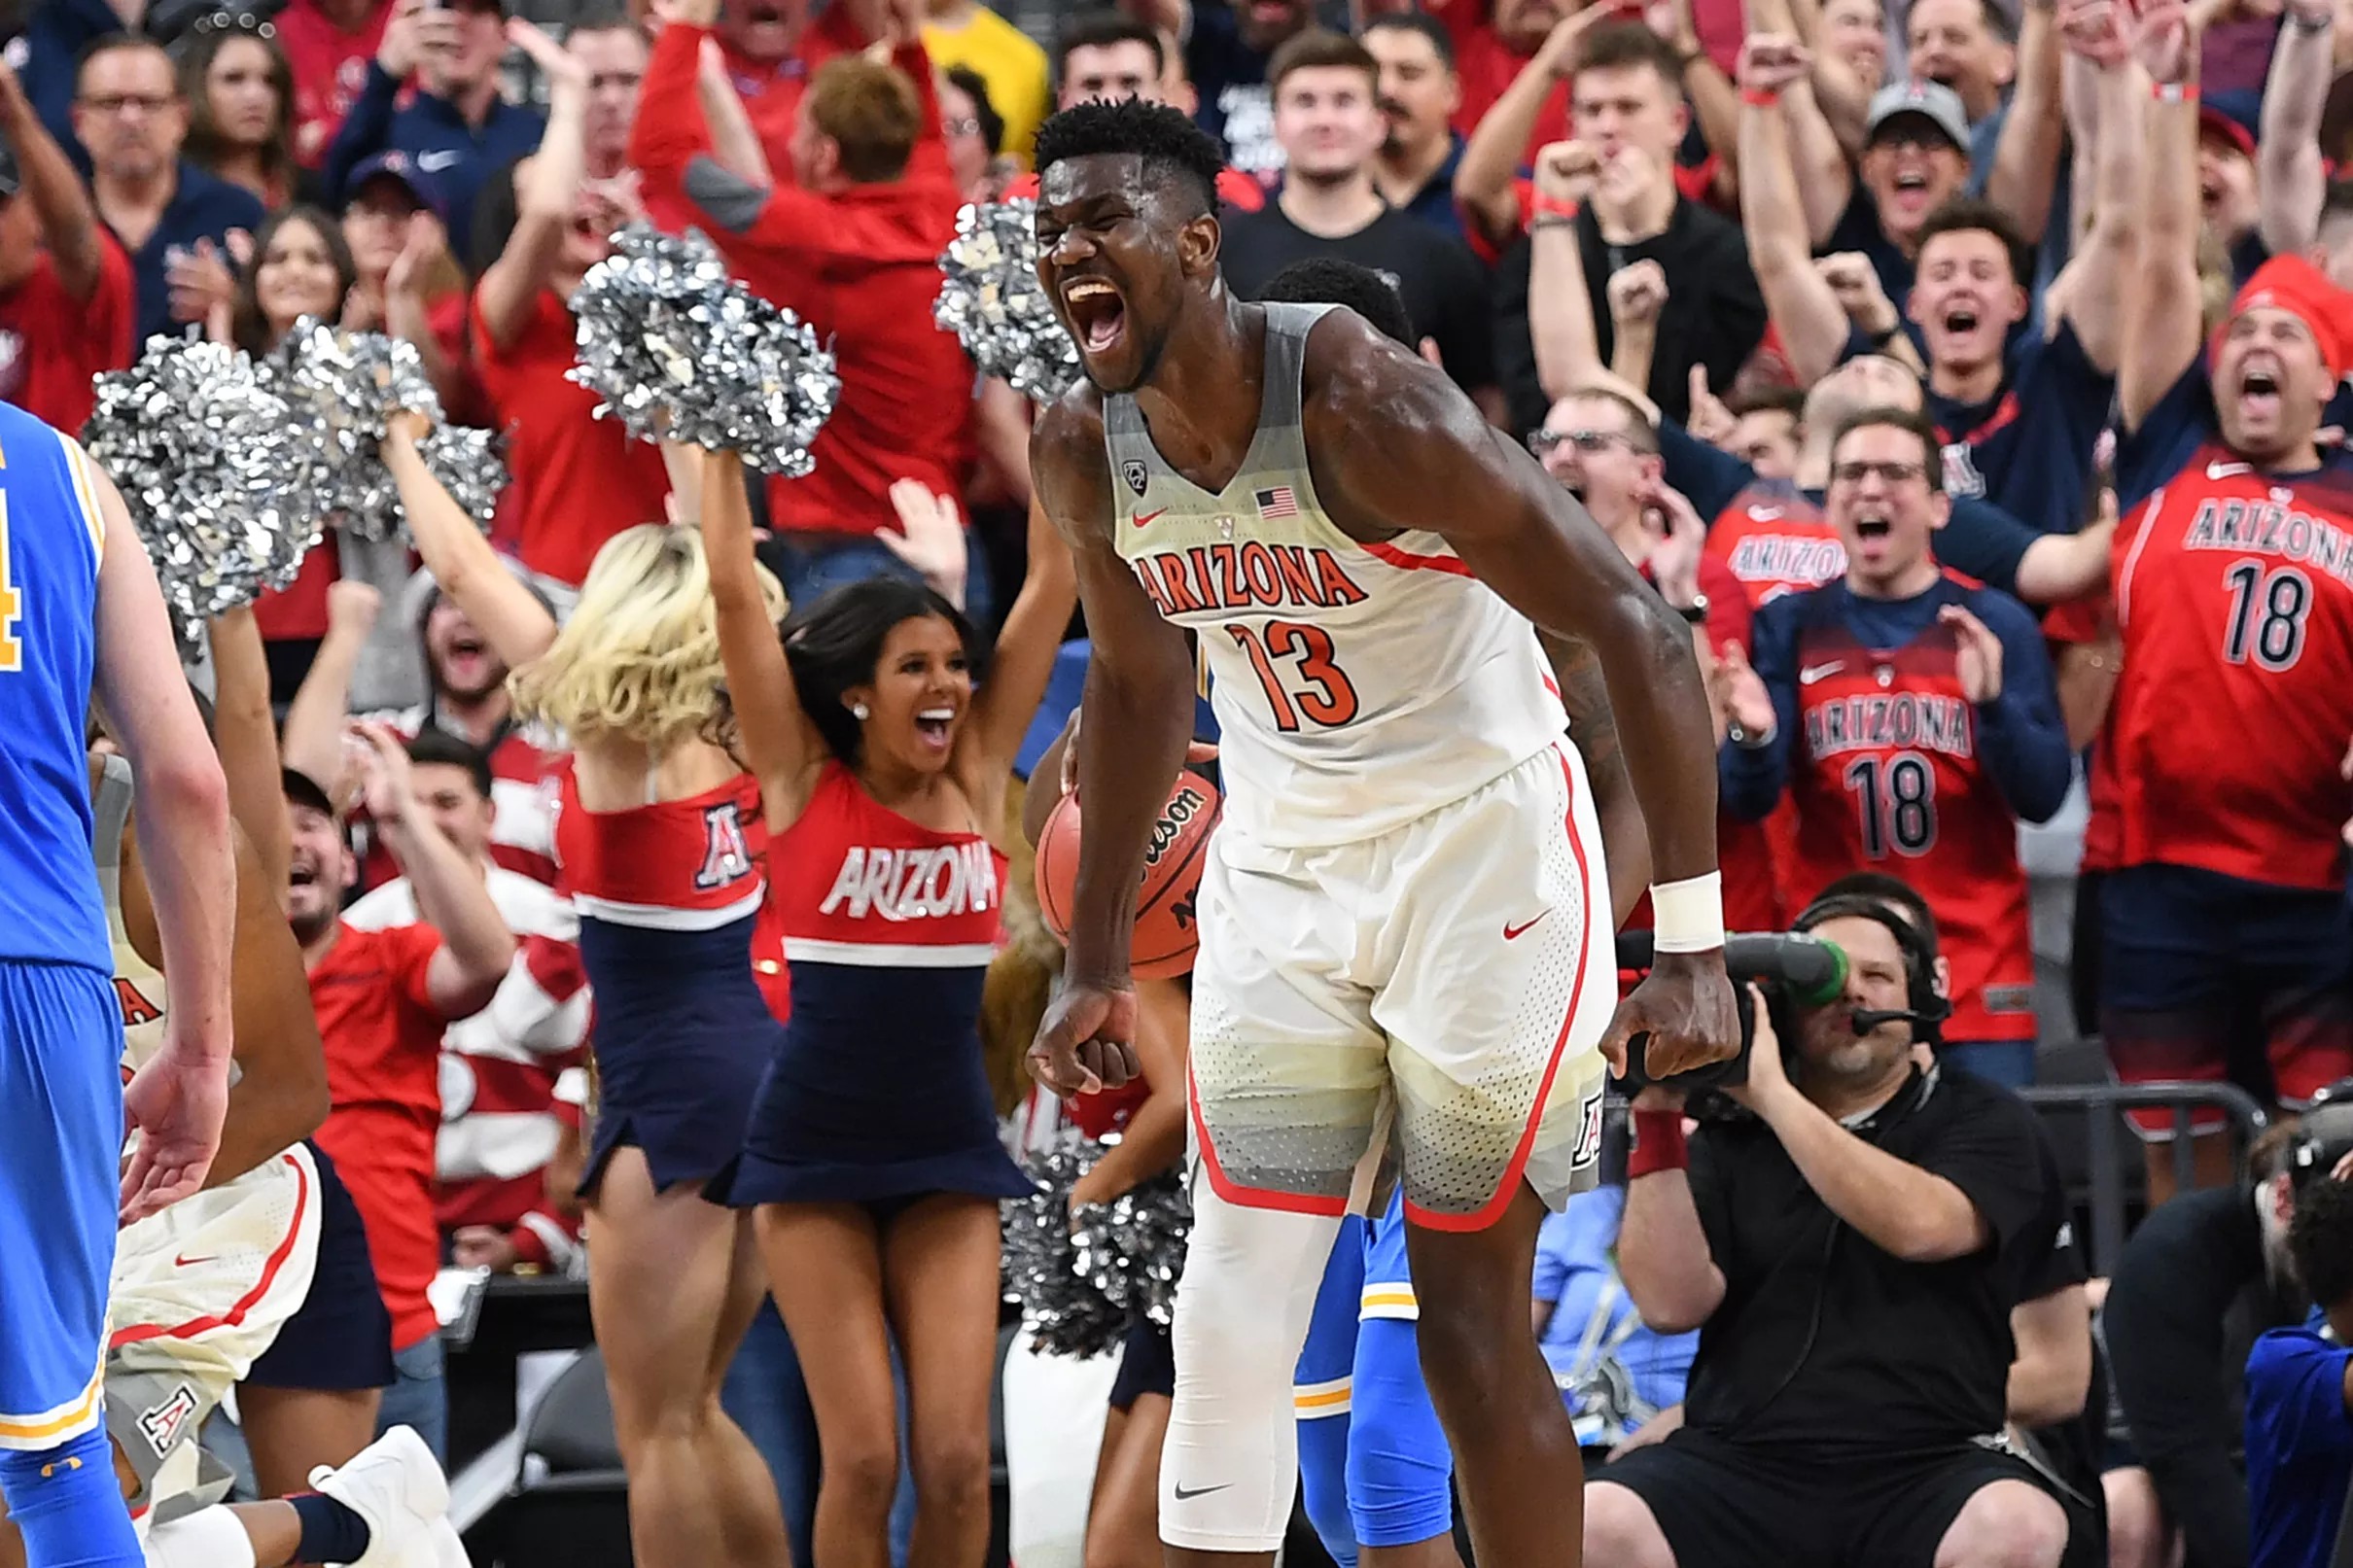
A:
{"points": [[60, 1164]]}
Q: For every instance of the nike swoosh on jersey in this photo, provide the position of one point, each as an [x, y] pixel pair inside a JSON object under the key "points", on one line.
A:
{"points": [[1816, 672], [2226, 471], [436, 162], [1512, 933], [1142, 518], [183, 1260], [1183, 1492], [1765, 514]]}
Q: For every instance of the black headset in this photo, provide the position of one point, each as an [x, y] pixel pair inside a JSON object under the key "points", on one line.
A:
{"points": [[1924, 1009]]}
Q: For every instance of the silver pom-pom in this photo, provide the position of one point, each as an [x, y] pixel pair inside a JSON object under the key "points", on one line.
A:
{"points": [[678, 351], [990, 298], [218, 472], [1079, 1286], [349, 384]]}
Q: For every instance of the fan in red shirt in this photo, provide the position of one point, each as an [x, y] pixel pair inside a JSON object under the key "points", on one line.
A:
{"points": [[770, 50], [578, 479], [383, 999], [853, 249], [329, 43], [2225, 915], [65, 308]]}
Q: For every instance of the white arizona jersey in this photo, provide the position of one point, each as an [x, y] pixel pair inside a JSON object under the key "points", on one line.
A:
{"points": [[1357, 686]]}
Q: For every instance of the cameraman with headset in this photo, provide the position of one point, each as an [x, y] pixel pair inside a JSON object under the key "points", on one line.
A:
{"points": [[1850, 1253]]}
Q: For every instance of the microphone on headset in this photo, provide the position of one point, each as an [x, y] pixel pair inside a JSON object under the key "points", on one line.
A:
{"points": [[1867, 1019]]}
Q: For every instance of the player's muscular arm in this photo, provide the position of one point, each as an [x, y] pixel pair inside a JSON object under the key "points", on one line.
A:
{"points": [[280, 1095], [1594, 727], [1136, 717], [1396, 447]]}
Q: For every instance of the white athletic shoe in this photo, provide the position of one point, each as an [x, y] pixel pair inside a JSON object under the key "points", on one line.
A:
{"points": [[396, 1486]]}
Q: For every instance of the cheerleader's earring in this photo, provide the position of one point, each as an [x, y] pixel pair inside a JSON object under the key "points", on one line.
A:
{"points": [[859, 712]]}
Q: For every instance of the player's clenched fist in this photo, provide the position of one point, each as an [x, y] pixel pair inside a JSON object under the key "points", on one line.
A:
{"points": [[1684, 1007], [1086, 1042]]}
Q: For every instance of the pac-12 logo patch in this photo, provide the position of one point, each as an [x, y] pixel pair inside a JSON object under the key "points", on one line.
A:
{"points": [[1131, 470], [164, 1424], [1589, 1132]]}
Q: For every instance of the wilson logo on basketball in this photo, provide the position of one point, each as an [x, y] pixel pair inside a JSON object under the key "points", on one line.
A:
{"points": [[1182, 808]]}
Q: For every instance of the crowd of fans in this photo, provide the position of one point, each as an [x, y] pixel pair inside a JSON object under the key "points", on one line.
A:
{"points": [[1967, 376]]}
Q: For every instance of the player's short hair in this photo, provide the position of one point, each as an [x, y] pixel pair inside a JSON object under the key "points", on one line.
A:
{"points": [[2320, 1242], [1616, 44], [871, 112], [1172, 150], [1963, 215], [1887, 415], [1320, 49], [1790, 400], [1641, 432], [435, 748], [1327, 280], [1893, 892], [1441, 43], [1108, 29]]}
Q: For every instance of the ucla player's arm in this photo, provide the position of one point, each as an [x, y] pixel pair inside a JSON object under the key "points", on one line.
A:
{"points": [[780, 747], [1018, 672], [181, 807], [1136, 717], [280, 1094], [1594, 728], [182, 799]]}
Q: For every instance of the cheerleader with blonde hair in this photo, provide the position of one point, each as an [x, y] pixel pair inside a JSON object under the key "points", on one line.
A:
{"points": [[661, 844]]}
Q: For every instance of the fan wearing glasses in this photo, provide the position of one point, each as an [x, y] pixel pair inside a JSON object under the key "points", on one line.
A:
{"points": [[1911, 716], [1603, 449]]}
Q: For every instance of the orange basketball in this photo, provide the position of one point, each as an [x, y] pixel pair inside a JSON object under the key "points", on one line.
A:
{"points": [[1165, 933]]}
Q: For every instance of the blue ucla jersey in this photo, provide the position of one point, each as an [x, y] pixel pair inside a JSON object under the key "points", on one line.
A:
{"points": [[50, 536]]}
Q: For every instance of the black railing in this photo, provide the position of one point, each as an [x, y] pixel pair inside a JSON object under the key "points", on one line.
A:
{"points": [[2089, 1118]]}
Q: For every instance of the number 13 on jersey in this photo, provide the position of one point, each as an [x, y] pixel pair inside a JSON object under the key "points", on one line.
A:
{"points": [[1295, 665]]}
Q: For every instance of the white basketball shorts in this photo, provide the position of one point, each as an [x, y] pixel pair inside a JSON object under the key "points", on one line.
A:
{"points": [[1454, 976], [198, 1292]]}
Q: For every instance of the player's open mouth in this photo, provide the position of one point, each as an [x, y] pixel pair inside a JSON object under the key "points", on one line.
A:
{"points": [[935, 724], [1097, 311]]}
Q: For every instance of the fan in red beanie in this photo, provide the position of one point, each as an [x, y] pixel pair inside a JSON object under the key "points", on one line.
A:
{"points": [[2278, 358]]}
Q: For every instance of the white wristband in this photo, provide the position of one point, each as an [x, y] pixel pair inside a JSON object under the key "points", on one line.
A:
{"points": [[1687, 915]]}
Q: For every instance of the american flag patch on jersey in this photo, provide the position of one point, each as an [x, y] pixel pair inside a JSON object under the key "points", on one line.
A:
{"points": [[1277, 503]]}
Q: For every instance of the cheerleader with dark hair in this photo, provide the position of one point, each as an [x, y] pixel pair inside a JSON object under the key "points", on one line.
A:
{"points": [[873, 1158]]}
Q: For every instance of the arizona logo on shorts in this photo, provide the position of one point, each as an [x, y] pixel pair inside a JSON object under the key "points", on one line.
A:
{"points": [[162, 1424], [1589, 1132]]}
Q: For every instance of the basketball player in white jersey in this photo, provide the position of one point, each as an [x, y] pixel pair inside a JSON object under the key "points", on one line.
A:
{"points": [[1405, 916]]}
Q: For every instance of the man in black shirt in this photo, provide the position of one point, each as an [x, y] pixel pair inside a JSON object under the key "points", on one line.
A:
{"points": [[1850, 1256], [2202, 1276], [1328, 120]]}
